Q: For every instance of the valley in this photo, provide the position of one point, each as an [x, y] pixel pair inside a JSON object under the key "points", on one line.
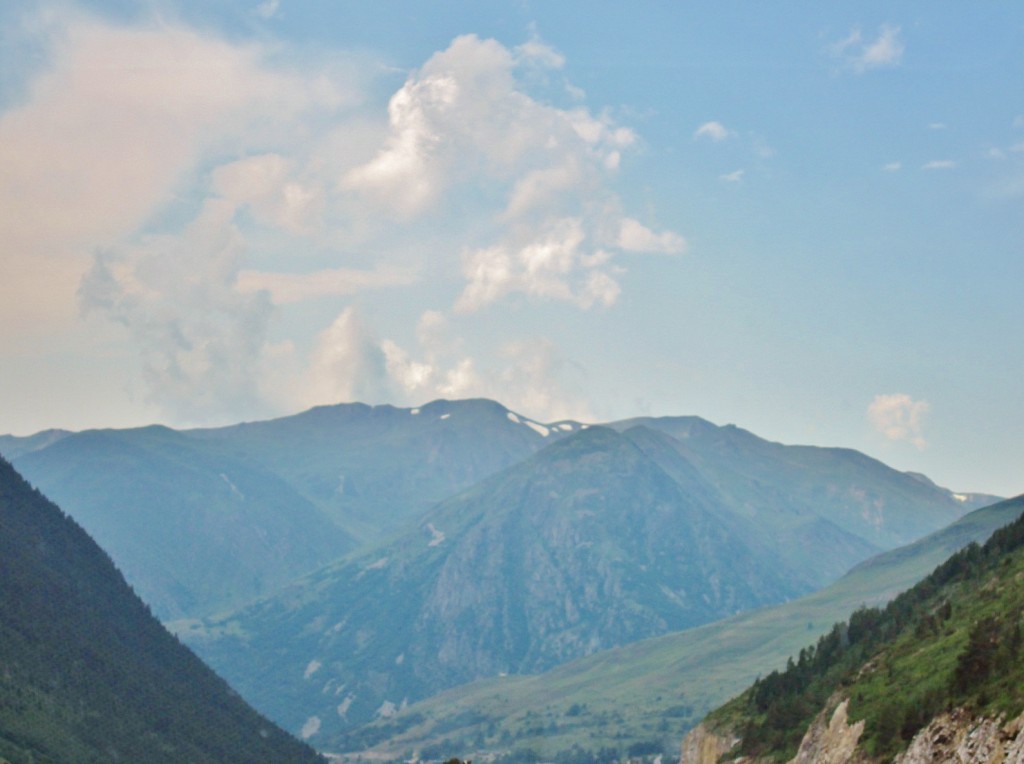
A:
{"points": [[457, 576]]}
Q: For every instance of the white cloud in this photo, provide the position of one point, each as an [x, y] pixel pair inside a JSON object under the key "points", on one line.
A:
{"points": [[464, 121], [732, 177], [939, 164], [716, 131], [936, 125], [861, 55], [529, 376], [267, 184], [892, 166], [201, 342], [109, 142], [298, 198], [463, 117], [636, 237], [550, 263], [348, 364], [538, 53], [899, 417]]}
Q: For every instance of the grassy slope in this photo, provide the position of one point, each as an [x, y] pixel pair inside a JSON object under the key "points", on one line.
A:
{"points": [[953, 641], [656, 689]]}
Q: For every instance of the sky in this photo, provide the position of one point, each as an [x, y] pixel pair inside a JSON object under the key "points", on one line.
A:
{"points": [[803, 218]]}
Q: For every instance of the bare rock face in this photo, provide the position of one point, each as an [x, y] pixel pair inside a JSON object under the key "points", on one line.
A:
{"points": [[830, 739], [956, 737], [702, 746], [832, 742], [959, 738]]}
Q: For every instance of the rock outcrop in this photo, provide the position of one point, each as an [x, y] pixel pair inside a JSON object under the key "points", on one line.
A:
{"points": [[956, 737], [833, 741], [702, 746], [959, 738]]}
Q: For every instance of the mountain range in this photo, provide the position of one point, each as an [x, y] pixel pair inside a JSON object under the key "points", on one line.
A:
{"points": [[390, 554], [606, 536]]}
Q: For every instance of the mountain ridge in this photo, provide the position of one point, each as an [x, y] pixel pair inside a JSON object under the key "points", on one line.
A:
{"points": [[87, 674]]}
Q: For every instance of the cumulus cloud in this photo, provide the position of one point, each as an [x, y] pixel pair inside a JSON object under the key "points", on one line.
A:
{"points": [[202, 343], [100, 144], [550, 264], [529, 376], [634, 236], [204, 193], [714, 131], [732, 177], [892, 166], [861, 55], [347, 364], [899, 418], [939, 164], [463, 121]]}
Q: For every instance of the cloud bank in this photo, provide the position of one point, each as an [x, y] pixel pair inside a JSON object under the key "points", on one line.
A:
{"points": [[207, 194]]}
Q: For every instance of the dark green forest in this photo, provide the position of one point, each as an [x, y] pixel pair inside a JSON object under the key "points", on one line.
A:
{"points": [[87, 674]]}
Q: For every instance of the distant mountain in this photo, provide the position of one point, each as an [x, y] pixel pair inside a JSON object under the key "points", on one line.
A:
{"points": [[203, 520], [644, 696], [812, 498], [601, 539], [936, 675], [12, 446], [193, 529], [372, 468], [88, 675]]}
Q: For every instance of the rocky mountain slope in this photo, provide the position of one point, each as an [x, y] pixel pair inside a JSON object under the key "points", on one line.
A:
{"points": [[646, 695], [938, 675], [811, 497], [587, 545], [599, 540], [204, 520], [87, 674]]}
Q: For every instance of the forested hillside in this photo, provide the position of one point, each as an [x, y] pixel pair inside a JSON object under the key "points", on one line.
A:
{"points": [[952, 642], [87, 674]]}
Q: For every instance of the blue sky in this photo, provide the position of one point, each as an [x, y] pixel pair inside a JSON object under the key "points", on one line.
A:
{"points": [[801, 218]]}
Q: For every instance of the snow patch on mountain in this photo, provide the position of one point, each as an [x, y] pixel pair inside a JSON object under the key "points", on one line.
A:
{"points": [[310, 728], [345, 705], [232, 486], [436, 536], [544, 431]]}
